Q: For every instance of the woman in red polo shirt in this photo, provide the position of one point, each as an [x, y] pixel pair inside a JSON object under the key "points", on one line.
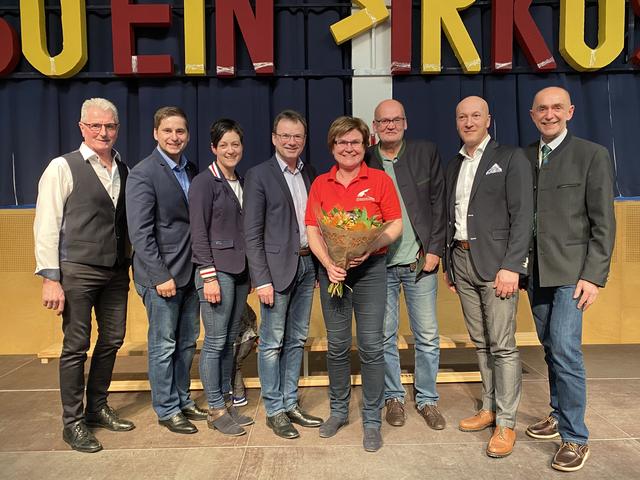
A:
{"points": [[348, 185]]}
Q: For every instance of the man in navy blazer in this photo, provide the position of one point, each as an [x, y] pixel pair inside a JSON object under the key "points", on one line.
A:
{"points": [[573, 242], [489, 227], [282, 269], [158, 218]]}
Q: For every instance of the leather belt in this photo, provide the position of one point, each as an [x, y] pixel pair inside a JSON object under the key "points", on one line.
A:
{"points": [[463, 244], [304, 251], [412, 266]]}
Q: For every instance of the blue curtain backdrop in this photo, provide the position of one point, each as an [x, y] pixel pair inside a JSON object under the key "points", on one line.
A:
{"points": [[39, 116]]}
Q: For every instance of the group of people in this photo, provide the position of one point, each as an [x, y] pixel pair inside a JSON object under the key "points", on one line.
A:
{"points": [[499, 218]]}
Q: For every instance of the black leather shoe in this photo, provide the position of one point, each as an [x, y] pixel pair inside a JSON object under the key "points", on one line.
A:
{"points": [[194, 413], [107, 418], [80, 438], [179, 424], [303, 419], [281, 426]]}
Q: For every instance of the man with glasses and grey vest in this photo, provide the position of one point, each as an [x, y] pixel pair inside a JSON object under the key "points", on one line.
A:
{"points": [[83, 255]]}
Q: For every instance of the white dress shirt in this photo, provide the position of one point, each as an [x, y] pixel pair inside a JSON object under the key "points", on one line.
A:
{"points": [[464, 184], [55, 186]]}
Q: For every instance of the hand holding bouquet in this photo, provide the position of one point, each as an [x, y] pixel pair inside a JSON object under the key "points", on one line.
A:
{"points": [[348, 235]]}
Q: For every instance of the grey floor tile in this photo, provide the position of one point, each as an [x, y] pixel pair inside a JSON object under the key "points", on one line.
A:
{"points": [[156, 464], [9, 363], [530, 460], [32, 376], [616, 401]]}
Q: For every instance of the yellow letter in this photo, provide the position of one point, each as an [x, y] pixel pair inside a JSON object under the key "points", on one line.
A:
{"points": [[373, 12], [437, 13], [194, 38], [74, 38], [610, 34]]}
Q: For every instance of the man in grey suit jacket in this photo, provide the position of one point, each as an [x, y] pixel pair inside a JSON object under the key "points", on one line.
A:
{"points": [[158, 217], [282, 269], [573, 242], [489, 213]]}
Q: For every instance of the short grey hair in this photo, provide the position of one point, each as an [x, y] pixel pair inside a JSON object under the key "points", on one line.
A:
{"points": [[100, 103]]}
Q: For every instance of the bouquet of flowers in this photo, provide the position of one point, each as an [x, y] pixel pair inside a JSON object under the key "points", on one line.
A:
{"points": [[348, 235]]}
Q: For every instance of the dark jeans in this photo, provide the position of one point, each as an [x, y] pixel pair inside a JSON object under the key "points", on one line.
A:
{"points": [[559, 325], [283, 333], [174, 327], [221, 326], [85, 288], [367, 300]]}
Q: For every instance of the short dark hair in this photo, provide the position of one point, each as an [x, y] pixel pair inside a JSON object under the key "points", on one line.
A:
{"points": [[222, 126], [166, 112], [342, 125], [292, 116]]}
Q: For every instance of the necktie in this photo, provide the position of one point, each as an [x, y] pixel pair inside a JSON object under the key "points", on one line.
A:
{"points": [[546, 150]]}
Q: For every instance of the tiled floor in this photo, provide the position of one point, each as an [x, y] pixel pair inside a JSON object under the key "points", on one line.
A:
{"points": [[31, 446]]}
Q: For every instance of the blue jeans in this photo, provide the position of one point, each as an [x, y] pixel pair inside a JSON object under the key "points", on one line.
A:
{"points": [[368, 282], [221, 327], [420, 298], [283, 333], [174, 327], [559, 325]]}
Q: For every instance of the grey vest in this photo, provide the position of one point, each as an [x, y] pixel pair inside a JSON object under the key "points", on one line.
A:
{"points": [[95, 232]]}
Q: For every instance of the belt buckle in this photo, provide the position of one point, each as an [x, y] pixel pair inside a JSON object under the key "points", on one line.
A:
{"points": [[413, 266]]}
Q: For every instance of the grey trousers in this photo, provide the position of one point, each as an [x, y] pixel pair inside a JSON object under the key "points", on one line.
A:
{"points": [[491, 322]]}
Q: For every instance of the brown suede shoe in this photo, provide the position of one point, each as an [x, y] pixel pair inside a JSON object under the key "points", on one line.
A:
{"points": [[544, 429], [480, 421], [501, 443], [395, 412], [570, 457]]}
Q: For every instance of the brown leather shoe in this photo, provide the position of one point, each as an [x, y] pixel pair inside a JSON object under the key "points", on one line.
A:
{"points": [[480, 421], [395, 412], [501, 443], [432, 416], [570, 457], [545, 429]]}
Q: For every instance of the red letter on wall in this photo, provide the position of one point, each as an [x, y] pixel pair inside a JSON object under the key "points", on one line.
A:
{"points": [[257, 32], [124, 17], [9, 48], [400, 37], [636, 8], [507, 14]]}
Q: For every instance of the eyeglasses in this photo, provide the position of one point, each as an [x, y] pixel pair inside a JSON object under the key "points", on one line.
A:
{"points": [[286, 137], [97, 127], [345, 143], [384, 122]]}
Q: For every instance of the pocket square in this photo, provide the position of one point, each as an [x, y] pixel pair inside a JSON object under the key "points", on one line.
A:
{"points": [[495, 168]]}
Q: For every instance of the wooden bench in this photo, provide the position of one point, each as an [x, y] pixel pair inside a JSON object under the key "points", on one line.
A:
{"points": [[313, 344]]}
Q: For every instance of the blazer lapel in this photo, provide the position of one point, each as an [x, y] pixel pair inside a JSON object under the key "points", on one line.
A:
{"points": [[277, 173], [485, 161], [219, 177], [451, 200]]}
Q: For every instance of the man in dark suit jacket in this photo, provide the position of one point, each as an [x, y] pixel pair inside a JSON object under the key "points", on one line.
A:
{"points": [[490, 214], [413, 260], [573, 242], [158, 217], [282, 269]]}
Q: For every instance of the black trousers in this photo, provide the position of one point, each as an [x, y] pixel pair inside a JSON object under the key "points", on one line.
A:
{"points": [[88, 288]]}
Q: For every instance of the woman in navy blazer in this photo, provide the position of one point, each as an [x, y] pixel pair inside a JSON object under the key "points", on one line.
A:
{"points": [[221, 277]]}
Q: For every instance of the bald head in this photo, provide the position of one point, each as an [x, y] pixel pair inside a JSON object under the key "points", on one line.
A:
{"points": [[389, 123], [550, 112], [472, 122]]}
